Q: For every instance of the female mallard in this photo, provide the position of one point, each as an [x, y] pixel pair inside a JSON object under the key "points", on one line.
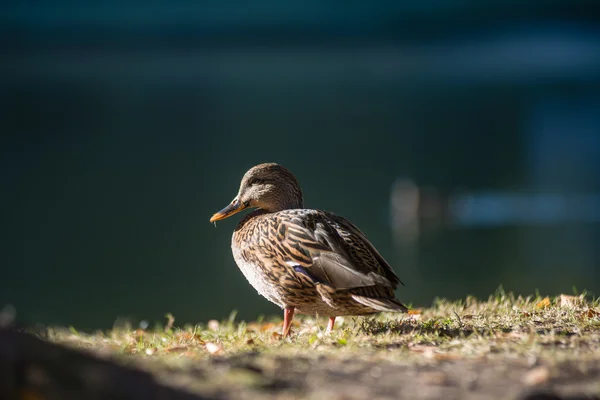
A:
{"points": [[303, 260]]}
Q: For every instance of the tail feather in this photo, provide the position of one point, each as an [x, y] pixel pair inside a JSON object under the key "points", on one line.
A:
{"points": [[381, 304]]}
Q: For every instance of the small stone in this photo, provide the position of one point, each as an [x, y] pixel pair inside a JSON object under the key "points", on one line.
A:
{"points": [[213, 325], [536, 376], [213, 348]]}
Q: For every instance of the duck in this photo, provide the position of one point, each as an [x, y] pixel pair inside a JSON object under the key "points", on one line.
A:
{"points": [[306, 261]]}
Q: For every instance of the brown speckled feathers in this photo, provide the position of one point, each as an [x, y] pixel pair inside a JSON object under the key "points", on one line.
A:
{"points": [[310, 260], [313, 247]]}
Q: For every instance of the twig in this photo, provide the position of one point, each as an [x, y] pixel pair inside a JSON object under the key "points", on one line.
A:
{"points": [[459, 320]]}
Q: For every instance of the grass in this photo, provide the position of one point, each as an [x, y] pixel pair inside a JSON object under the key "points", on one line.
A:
{"points": [[535, 336]]}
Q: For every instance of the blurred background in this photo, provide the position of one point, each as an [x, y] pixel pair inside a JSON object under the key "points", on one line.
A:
{"points": [[462, 137]]}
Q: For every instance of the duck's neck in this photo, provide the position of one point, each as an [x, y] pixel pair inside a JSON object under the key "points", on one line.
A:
{"points": [[282, 203], [290, 204]]}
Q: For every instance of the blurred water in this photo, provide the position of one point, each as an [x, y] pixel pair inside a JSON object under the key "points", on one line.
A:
{"points": [[119, 146]]}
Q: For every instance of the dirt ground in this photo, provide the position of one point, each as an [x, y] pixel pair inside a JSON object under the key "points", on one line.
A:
{"points": [[356, 378], [505, 348]]}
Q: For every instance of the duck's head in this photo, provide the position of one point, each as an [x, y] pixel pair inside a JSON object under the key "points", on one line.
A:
{"points": [[270, 187]]}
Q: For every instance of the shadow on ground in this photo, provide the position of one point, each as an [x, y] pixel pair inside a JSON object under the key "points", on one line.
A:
{"points": [[31, 368]]}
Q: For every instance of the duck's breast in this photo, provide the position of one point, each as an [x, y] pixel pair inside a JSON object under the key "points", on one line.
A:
{"points": [[259, 270]]}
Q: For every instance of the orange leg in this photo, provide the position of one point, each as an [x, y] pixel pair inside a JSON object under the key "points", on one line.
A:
{"points": [[330, 324], [288, 315]]}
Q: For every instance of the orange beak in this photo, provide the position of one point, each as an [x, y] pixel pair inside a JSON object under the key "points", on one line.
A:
{"points": [[235, 207]]}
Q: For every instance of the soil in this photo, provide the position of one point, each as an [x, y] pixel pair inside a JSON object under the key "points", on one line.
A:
{"points": [[32, 368]]}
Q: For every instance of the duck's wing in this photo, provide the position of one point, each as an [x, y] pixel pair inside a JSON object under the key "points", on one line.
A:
{"points": [[357, 240], [332, 251]]}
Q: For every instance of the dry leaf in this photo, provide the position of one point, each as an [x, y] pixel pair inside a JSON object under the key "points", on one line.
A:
{"points": [[192, 337], [545, 302], [468, 316], [198, 338], [264, 327], [177, 349], [536, 376], [415, 314], [250, 341], [569, 301], [267, 327], [590, 313], [276, 336], [252, 327], [213, 348]]}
